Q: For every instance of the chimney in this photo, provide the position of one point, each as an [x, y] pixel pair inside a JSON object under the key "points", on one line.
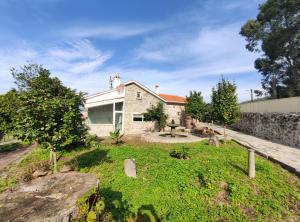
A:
{"points": [[116, 81], [157, 88]]}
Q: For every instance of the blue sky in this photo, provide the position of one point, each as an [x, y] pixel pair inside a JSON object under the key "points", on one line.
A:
{"points": [[181, 45]]}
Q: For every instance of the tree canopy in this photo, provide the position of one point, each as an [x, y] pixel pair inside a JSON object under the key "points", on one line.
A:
{"points": [[48, 112], [276, 33], [224, 104], [195, 106], [156, 113]]}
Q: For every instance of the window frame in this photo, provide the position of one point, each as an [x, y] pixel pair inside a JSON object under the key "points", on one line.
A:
{"points": [[142, 117], [138, 95]]}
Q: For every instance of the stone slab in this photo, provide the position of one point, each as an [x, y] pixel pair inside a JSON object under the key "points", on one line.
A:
{"points": [[48, 199]]}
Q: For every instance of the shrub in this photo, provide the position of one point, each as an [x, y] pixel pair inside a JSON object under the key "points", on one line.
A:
{"points": [[181, 154]]}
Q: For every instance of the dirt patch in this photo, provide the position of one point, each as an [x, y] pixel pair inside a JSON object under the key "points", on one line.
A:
{"points": [[222, 197], [50, 198], [11, 157]]}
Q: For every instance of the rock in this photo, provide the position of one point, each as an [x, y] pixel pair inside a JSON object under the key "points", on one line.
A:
{"points": [[49, 199], [66, 168], [213, 140], [129, 168], [39, 173]]}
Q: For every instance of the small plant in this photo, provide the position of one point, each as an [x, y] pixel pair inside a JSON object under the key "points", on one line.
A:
{"points": [[116, 136], [181, 154], [157, 114]]}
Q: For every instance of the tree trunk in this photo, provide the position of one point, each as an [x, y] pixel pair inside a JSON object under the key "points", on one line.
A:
{"points": [[54, 162], [274, 88], [51, 157], [225, 136]]}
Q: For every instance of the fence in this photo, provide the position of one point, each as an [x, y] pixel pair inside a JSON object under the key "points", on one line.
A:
{"points": [[286, 105]]}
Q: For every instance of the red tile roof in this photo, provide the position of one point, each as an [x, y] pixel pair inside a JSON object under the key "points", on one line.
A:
{"points": [[173, 98]]}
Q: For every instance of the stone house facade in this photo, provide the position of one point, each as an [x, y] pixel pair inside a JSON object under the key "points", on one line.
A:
{"points": [[122, 107]]}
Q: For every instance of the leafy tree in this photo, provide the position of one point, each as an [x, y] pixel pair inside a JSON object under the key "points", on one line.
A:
{"points": [[225, 108], [49, 112], [156, 113], [195, 106], [8, 108], [276, 33]]}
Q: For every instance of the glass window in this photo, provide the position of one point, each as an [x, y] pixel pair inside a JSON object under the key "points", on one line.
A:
{"points": [[101, 114], [119, 106], [138, 117], [138, 95]]}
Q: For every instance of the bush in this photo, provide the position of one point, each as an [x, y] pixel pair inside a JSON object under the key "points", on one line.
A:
{"points": [[181, 154]]}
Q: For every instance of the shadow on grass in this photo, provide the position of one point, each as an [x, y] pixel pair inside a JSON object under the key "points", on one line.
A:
{"points": [[120, 209], [4, 148], [91, 158], [239, 168]]}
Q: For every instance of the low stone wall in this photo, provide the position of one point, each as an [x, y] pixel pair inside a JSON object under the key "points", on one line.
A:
{"points": [[283, 128]]}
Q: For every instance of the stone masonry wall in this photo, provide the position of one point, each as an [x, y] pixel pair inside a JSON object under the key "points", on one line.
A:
{"points": [[175, 112], [134, 105], [283, 128]]}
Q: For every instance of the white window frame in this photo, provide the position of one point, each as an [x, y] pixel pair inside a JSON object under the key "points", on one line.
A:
{"points": [[141, 114]]}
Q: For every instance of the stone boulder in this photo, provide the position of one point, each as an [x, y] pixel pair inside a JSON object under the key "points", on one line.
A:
{"points": [[130, 168], [49, 199], [66, 168], [39, 173]]}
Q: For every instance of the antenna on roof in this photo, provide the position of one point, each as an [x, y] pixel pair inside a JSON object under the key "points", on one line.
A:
{"points": [[110, 82]]}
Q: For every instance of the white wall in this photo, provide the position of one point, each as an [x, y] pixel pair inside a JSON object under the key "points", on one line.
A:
{"points": [[286, 105]]}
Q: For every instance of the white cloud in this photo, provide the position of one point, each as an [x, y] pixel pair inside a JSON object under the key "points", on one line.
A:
{"points": [[69, 61], [212, 50], [111, 31]]}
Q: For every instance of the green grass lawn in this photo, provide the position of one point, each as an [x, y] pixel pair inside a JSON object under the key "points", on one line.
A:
{"points": [[212, 185]]}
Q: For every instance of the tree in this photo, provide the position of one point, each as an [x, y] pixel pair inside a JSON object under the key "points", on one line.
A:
{"points": [[49, 112], [195, 106], [156, 113], [276, 33], [225, 108], [8, 108]]}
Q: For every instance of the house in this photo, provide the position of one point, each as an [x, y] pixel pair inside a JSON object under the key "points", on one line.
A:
{"points": [[122, 107]]}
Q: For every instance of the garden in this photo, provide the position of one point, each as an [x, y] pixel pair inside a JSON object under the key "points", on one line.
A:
{"points": [[204, 183]]}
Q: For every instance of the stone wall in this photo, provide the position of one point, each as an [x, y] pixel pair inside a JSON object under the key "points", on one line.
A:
{"points": [[100, 130], [175, 112], [135, 106], [283, 128]]}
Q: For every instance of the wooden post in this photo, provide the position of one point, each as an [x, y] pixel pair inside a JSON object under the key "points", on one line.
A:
{"points": [[251, 163]]}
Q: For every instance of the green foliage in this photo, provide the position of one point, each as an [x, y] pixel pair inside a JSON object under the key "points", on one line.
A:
{"points": [[156, 113], [116, 136], [195, 106], [171, 190], [224, 103], [49, 112], [180, 153], [275, 32], [9, 105]]}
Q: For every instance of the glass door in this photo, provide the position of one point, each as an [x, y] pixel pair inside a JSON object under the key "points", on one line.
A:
{"points": [[118, 121]]}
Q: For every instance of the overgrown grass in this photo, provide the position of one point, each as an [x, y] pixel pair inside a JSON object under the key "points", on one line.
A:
{"points": [[212, 185]]}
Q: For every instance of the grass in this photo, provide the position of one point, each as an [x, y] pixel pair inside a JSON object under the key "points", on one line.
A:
{"points": [[211, 185], [4, 148]]}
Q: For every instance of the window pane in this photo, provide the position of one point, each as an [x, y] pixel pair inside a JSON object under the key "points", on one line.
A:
{"points": [[101, 114], [138, 117], [119, 106]]}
